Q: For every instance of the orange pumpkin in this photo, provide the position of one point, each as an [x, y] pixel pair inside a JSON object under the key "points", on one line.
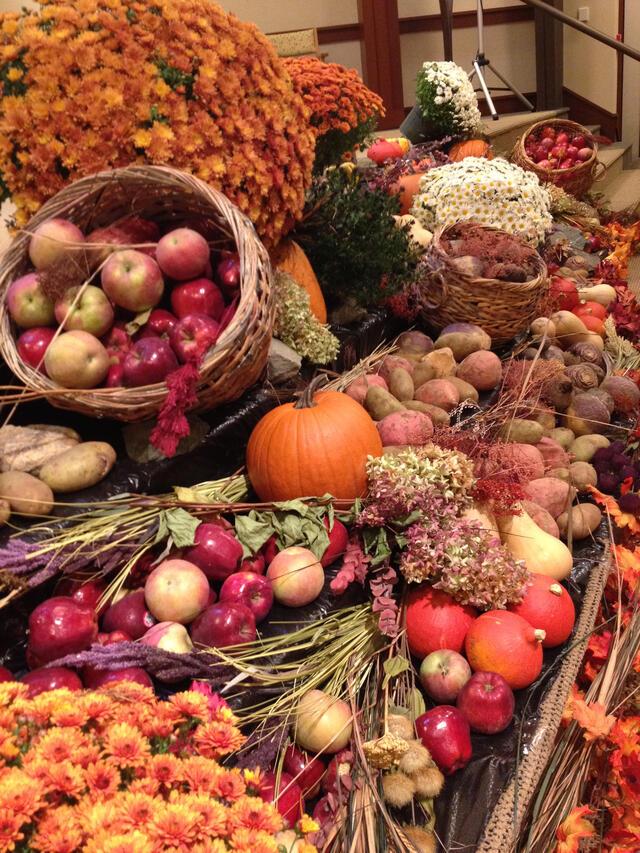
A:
{"points": [[290, 258], [406, 188], [314, 447], [470, 148]]}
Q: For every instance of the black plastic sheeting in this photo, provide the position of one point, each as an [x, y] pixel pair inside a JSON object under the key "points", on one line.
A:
{"points": [[470, 795]]}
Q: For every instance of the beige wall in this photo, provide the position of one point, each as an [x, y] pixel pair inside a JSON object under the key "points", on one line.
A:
{"points": [[590, 68]]}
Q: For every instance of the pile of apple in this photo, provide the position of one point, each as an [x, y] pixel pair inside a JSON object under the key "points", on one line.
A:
{"points": [[209, 595], [558, 149], [144, 312]]}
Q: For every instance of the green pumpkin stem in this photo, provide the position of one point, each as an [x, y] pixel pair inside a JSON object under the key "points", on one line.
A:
{"points": [[305, 401]]}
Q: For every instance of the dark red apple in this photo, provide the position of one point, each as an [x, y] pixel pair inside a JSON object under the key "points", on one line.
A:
{"points": [[200, 296], [194, 336], [32, 345], [159, 325], [255, 564], [227, 623], [228, 270], [546, 144], [60, 626], [51, 678], [584, 154], [130, 615], [94, 678], [572, 152], [579, 140], [109, 638], [338, 541], [444, 731], [6, 674], [149, 361], [115, 376], [216, 551], [306, 770], [270, 549], [287, 796], [87, 592], [117, 341], [487, 702], [250, 589], [562, 138]]}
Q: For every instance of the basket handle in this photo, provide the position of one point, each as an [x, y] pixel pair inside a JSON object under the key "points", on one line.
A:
{"points": [[598, 171], [437, 299]]}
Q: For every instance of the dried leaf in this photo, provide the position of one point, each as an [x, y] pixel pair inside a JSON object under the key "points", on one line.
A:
{"points": [[138, 322], [593, 719], [416, 703], [393, 667], [572, 829], [182, 526]]}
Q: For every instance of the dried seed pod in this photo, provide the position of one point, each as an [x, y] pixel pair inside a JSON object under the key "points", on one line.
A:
{"points": [[398, 789]]}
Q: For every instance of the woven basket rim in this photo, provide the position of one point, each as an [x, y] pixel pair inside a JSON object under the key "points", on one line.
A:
{"points": [[566, 173], [68, 202]]}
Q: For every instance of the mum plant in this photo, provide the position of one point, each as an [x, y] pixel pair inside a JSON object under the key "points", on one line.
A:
{"points": [[90, 85], [447, 100]]}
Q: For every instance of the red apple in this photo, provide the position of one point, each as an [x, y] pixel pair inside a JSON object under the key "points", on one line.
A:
{"points": [[159, 325], [60, 626], [228, 271], [584, 154], [150, 360], [227, 623], [572, 152], [487, 702], [6, 674], [444, 731], [54, 241], [546, 144], [382, 150], [32, 346], [559, 152], [115, 376], [548, 133], [296, 576], [338, 541], [89, 311], [270, 549], [286, 794], [307, 772], [176, 591], [255, 564], [50, 678], [250, 589], [193, 337], [28, 304], [562, 138], [567, 164], [183, 254], [200, 296], [83, 591], [216, 551], [114, 637], [545, 164], [443, 674], [579, 140], [129, 614], [94, 678], [130, 231], [77, 360], [132, 280], [117, 342], [169, 636]]}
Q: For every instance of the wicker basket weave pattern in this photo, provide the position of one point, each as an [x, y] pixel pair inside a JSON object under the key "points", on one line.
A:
{"points": [[503, 309], [579, 179], [169, 197]]}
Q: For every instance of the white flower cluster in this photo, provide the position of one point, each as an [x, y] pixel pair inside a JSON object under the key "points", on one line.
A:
{"points": [[491, 192], [451, 86]]}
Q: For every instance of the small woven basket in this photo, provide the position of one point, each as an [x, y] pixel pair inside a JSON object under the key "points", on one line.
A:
{"points": [[579, 179], [169, 197], [503, 309]]}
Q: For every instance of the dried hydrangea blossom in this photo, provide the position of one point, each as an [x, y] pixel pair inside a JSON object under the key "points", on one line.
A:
{"points": [[297, 326]]}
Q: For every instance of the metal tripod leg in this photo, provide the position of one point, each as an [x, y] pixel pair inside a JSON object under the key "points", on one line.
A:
{"points": [[485, 90], [524, 101]]}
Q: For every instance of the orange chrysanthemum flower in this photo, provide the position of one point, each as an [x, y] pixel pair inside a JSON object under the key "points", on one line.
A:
{"points": [[20, 793], [216, 739], [229, 785], [201, 774], [97, 706], [63, 778], [58, 832], [133, 842], [125, 746], [136, 809], [8, 746], [59, 744], [253, 841], [164, 768], [10, 691], [160, 721], [69, 714], [191, 704], [212, 815], [102, 779], [10, 826], [174, 826], [95, 817], [253, 813]]}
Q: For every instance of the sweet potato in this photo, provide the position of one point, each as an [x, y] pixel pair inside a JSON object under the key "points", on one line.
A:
{"points": [[522, 459], [359, 387], [481, 369], [390, 363], [405, 428], [550, 493], [542, 518], [401, 384], [554, 455], [439, 392]]}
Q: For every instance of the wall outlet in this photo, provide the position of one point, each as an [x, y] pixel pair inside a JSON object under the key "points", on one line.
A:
{"points": [[584, 14]]}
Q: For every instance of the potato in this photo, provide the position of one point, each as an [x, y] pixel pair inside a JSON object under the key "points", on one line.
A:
{"points": [[415, 342], [560, 474], [79, 468], [582, 476], [409, 355], [67, 432], [390, 363], [26, 494], [563, 436], [467, 392], [442, 361], [5, 511], [481, 369], [585, 446], [357, 390], [522, 431], [551, 494], [542, 518], [439, 392], [380, 403], [407, 427], [546, 418], [422, 373], [401, 384], [581, 521], [463, 339], [437, 415]]}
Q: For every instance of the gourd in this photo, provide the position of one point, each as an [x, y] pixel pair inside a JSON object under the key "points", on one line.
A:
{"points": [[314, 447], [470, 148], [541, 552], [290, 258]]}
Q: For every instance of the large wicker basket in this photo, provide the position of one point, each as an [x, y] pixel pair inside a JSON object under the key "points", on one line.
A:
{"points": [[448, 295], [577, 180], [167, 196]]}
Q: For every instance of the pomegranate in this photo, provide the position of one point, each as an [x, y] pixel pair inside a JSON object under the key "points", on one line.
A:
{"points": [[564, 293], [547, 605], [436, 621], [503, 642]]}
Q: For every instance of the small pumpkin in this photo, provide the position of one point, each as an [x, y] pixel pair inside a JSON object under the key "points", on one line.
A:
{"points": [[290, 258], [470, 148], [406, 187], [314, 447]]}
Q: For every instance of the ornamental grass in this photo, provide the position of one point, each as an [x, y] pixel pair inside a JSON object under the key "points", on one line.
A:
{"points": [[90, 85]]}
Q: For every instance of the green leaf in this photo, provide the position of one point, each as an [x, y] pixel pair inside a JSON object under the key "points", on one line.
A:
{"points": [[182, 526], [163, 528], [253, 530], [138, 322], [376, 544], [416, 703], [393, 667]]}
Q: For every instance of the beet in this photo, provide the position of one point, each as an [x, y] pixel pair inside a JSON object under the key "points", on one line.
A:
{"points": [[625, 393]]}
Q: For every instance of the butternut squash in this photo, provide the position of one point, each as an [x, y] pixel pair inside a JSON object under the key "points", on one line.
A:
{"points": [[541, 552]]}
